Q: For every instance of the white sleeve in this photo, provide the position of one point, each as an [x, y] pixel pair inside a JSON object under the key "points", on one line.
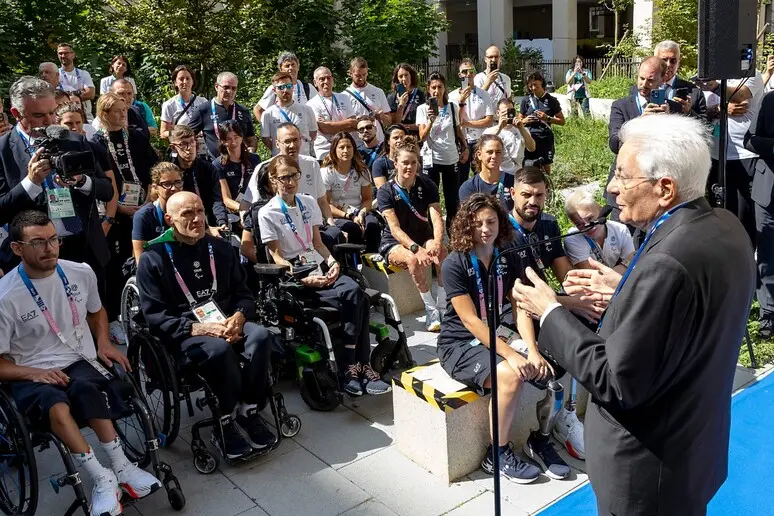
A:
{"points": [[166, 112], [93, 302], [479, 80], [422, 115], [251, 192], [86, 78], [6, 332], [318, 179], [627, 243], [134, 85], [312, 118], [312, 91], [382, 102], [268, 99], [31, 188], [327, 178], [577, 249], [269, 231], [265, 123], [316, 219], [103, 86], [488, 104], [507, 81]]}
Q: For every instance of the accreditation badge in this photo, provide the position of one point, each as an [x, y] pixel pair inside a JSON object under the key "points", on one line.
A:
{"points": [[208, 312], [132, 192], [60, 203]]}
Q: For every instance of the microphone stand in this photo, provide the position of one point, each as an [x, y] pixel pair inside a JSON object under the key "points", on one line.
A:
{"points": [[494, 321]]}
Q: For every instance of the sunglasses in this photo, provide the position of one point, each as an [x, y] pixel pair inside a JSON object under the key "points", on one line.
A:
{"points": [[365, 128], [283, 87], [466, 71]]}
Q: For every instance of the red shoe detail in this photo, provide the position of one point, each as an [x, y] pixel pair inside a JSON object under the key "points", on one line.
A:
{"points": [[131, 492]]}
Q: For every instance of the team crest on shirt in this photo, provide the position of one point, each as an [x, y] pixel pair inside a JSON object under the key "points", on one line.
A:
{"points": [[547, 245], [198, 270]]}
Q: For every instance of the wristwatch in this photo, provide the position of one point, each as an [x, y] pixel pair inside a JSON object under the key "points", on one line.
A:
{"points": [[414, 248], [109, 220]]}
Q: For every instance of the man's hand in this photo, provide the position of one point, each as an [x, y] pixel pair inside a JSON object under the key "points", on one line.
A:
{"points": [[464, 154], [541, 115], [49, 376], [596, 284], [424, 258], [533, 300], [234, 326], [543, 369], [360, 218], [584, 307], [465, 94], [315, 281], [217, 330], [685, 103], [654, 109], [503, 120], [738, 108], [38, 168], [434, 249], [770, 64], [333, 273], [491, 77], [524, 369], [107, 352]]}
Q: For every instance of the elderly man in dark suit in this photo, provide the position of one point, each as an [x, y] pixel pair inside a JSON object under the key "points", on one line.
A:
{"points": [[760, 140], [660, 369], [28, 182], [650, 77], [685, 93]]}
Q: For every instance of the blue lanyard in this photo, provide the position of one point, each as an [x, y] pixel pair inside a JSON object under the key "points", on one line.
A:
{"points": [[360, 98], [293, 228], [214, 115], [298, 90], [160, 215], [372, 157], [412, 96], [636, 258], [27, 143], [286, 116], [533, 246], [405, 198], [595, 249], [480, 284], [334, 102], [518, 227], [182, 102], [77, 76]]}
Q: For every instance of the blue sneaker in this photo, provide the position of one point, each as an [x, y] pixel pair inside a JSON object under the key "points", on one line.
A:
{"points": [[511, 467], [432, 319], [352, 384], [374, 385], [540, 449]]}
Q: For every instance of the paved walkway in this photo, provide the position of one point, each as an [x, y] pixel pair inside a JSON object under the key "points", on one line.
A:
{"points": [[341, 463]]}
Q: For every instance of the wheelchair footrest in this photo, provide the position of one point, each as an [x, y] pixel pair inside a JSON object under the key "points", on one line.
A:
{"points": [[374, 296]]}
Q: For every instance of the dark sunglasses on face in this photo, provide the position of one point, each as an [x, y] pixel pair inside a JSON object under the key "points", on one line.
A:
{"points": [[284, 87], [365, 128]]}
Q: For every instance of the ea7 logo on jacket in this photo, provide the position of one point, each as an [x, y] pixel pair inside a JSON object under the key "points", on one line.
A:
{"points": [[29, 316], [203, 293]]}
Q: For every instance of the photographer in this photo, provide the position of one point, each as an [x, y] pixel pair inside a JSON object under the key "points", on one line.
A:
{"points": [[74, 80], [496, 84], [539, 111], [514, 135], [28, 180]]}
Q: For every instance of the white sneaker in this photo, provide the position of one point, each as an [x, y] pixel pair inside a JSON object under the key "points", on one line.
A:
{"points": [[568, 430], [117, 335], [136, 482], [106, 496]]}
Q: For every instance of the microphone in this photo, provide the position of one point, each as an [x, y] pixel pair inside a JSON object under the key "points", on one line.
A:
{"points": [[601, 220], [57, 132]]}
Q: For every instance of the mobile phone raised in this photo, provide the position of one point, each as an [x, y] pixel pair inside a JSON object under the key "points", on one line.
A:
{"points": [[433, 103], [492, 66], [511, 115], [658, 97], [401, 89]]}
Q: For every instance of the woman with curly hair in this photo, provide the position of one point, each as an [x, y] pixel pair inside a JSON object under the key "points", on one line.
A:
{"points": [[348, 189], [480, 231]]}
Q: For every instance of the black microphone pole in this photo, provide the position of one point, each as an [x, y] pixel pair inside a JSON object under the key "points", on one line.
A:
{"points": [[492, 317], [719, 189]]}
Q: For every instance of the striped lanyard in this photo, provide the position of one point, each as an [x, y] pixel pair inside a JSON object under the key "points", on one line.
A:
{"points": [[480, 283], [114, 155], [67, 79], [47, 313], [334, 103], [403, 195], [596, 251], [186, 292], [293, 228]]}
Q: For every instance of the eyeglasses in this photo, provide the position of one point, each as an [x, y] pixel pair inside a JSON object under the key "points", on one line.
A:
{"points": [[185, 145], [169, 185], [466, 71], [621, 179], [289, 178], [283, 87], [671, 60], [365, 128], [40, 244]]}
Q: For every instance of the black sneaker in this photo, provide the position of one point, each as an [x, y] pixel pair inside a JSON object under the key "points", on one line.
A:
{"points": [[511, 467], [374, 385], [234, 443], [765, 327], [352, 385], [258, 435], [540, 449]]}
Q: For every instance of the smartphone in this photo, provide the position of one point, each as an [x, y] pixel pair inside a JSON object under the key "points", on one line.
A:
{"points": [[492, 66], [682, 93], [511, 115], [465, 82], [658, 97], [433, 102], [401, 89]]}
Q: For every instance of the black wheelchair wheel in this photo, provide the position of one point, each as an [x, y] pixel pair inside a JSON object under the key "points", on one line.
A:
{"points": [[18, 471], [176, 499], [156, 380], [130, 306], [135, 430], [320, 391]]}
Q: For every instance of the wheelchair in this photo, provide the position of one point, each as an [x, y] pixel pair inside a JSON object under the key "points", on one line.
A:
{"points": [[167, 384], [19, 438]]}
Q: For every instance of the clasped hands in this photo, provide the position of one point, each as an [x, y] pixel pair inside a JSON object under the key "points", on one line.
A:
{"points": [[230, 329]]}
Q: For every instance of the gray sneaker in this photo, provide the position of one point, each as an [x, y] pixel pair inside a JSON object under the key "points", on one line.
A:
{"points": [[432, 320]]}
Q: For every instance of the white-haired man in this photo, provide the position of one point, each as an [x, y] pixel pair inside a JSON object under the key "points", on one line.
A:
{"points": [[50, 73], [207, 117], [334, 112], [660, 368], [685, 93], [610, 244]]}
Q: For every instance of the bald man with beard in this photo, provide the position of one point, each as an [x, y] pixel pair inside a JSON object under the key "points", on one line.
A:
{"points": [[194, 293]]}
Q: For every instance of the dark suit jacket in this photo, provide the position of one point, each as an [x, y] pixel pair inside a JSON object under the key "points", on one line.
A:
{"points": [[698, 103], [14, 198], [762, 143], [661, 369]]}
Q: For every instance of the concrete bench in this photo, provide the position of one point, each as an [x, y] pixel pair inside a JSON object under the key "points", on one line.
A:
{"points": [[395, 282], [443, 425]]}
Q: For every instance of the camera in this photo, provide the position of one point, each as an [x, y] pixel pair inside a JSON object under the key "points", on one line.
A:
{"points": [[64, 154], [511, 115]]}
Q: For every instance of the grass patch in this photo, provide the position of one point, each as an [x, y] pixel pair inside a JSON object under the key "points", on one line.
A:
{"points": [[582, 152], [763, 349]]}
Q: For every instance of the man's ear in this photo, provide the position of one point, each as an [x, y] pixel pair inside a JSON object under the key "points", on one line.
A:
{"points": [[667, 191], [16, 248]]}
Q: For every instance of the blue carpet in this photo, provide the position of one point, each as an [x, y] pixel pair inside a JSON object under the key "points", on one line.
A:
{"points": [[751, 456]]}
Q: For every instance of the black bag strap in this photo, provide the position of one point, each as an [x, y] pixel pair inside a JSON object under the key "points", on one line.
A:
{"points": [[185, 110], [306, 90], [356, 97], [499, 86]]}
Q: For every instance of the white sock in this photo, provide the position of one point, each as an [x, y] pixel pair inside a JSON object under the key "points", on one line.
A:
{"points": [[115, 453], [244, 407], [427, 298], [441, 295], [89, 463]]}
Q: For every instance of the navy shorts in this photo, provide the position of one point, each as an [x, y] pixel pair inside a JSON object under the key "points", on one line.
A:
{"points": [[89, 396]]}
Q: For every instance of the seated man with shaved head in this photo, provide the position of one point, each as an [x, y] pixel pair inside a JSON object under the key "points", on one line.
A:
{"points": [[195, 298]]}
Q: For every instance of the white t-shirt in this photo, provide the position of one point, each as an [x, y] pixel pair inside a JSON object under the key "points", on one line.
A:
{"points": [[106, 82], [739, 125], [478, 106], [618, 245], [171, 107], [344, 189], [299, 95], [274, 225], [513, 141], [336, 108], [78, 79], [375, 98], [25, 336], [495, 93], [441, 140], [299, 115], [310, 183]]}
